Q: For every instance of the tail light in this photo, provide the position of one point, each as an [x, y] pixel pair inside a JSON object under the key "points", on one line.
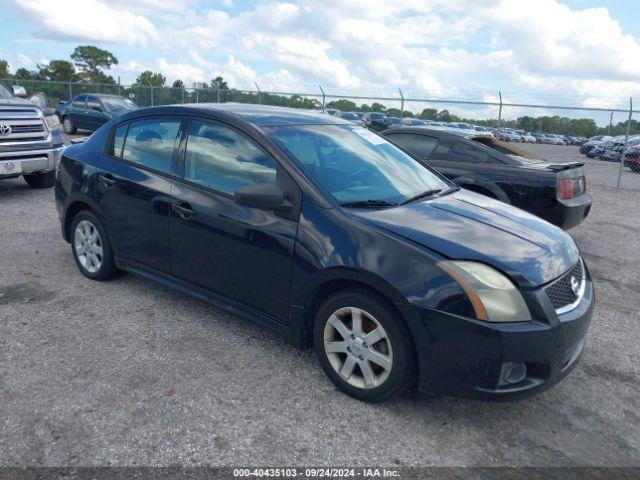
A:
{"points": [[571, 187]]}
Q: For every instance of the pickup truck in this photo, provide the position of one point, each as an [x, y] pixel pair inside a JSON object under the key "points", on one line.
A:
{"points": [[555, 192], [30, 139]]}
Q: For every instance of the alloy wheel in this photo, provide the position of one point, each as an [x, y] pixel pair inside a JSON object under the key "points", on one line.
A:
{"points": [[68, 125], [358, 347], [88, 246]]}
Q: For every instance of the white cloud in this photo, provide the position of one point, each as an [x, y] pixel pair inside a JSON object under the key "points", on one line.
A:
{"points": [[88, 20], [439, 48], [25, 61]]}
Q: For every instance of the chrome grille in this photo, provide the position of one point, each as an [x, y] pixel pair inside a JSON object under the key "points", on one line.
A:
{"points": [[561, 293], [23, 125]]}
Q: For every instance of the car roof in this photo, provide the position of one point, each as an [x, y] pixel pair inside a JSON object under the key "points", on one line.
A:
{"points": [[262, 115], [441, 131]]}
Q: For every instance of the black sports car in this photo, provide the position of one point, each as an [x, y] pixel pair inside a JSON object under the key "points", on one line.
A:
{"points": [[553, 191]]}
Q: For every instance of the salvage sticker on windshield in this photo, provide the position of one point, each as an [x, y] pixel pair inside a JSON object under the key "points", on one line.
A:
{"points": [[369, 136]]}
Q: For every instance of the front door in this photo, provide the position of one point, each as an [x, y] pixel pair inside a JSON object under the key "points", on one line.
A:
{"points": [[242, 253], [134, 189], [77, 111], [95, 114]]}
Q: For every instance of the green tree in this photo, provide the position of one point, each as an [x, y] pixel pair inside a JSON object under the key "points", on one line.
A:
{"points": [[342, 105], [24, 74], [90, 60], [429, 114], [149, 78], [378, 107], [178, 84], [220, 83], [393, 112], [4, 69], [445, 116], [58, 70]]}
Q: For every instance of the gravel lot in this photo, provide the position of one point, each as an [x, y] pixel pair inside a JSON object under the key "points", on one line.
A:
{"points": [[130, 373]]}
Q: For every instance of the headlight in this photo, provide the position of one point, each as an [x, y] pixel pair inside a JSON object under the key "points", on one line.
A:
{"points": [[52, 121], [493, 296]]}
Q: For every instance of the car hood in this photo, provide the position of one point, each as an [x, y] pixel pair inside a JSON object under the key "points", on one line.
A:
{"points": [[468, 226], [15, 101]]}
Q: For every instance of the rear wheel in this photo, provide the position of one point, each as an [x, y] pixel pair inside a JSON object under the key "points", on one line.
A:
{"points": [[69, 126], [40, 180], [91, 248], [363, 346]]}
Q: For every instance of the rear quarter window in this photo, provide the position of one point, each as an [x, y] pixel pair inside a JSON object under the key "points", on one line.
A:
{"points": [[467, 154], [422, 146], [119, 135]]}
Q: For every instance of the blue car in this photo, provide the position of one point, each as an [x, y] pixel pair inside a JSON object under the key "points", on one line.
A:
{"points": [[327, 234], [89, 111]]}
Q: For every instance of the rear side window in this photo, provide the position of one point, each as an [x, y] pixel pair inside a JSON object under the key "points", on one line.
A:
{"points": [[151, 143], [223, 160], [420, 145], [467, 153], [118, 140]]}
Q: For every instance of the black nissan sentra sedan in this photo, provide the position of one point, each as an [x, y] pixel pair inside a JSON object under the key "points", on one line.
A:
{"points": [[327, 234]]}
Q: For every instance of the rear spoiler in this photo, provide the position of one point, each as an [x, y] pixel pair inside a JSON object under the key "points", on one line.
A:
{"points": [[558, 167]]}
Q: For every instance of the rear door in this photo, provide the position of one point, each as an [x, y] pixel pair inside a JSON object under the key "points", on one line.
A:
{"points": [[242, 253], [134, 189]]}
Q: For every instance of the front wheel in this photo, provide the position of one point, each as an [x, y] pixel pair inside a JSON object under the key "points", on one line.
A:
{"points": [[40, 180], [69, 126], [364, 346], [91, 248]]}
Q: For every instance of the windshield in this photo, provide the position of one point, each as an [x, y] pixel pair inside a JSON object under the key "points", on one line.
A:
{"points": [[118, 103], [5, 92], [354, 164]]}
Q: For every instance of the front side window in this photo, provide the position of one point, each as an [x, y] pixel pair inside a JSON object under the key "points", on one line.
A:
{"points": [[224, 160], [420, 145], [354, 164], [79, 101], [93, 103], [151, 143]]}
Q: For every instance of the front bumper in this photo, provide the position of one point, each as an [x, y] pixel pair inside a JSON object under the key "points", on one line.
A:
{"points": [[34, 161], [467, 358]]}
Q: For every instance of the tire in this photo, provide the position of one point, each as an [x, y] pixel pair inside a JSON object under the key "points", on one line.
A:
{"points": [[91, 247], [350, 353], [69, 126], [40, 180]]}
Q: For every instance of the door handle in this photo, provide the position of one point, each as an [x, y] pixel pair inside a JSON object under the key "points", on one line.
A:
{"points": [[184, 210], [107, 180]]}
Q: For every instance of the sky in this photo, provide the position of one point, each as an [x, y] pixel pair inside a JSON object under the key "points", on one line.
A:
{"points": [[571, 52]]}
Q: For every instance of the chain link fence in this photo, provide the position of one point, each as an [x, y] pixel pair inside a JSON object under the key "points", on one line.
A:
{"points": [[616, 163]]}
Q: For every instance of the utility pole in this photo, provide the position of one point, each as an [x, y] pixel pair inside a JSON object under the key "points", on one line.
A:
{"points": [[259, 93], [626, 141], [323, 97], [500, 110], [401, 103]]}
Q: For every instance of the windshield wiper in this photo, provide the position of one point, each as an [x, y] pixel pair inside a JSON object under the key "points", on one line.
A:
{"points": [[426, 194], [369, 204]]}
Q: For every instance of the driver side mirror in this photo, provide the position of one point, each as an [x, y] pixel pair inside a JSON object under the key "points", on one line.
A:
{"points": [[19, 91], [264, 196]]}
